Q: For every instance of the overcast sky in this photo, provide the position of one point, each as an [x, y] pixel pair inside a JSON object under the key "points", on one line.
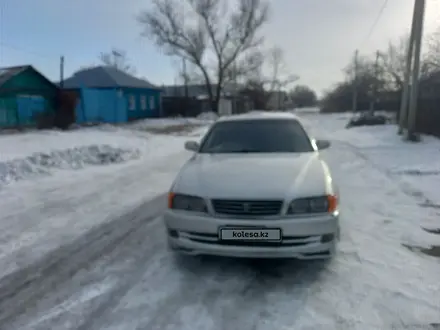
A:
{"points": [[318, 36]]}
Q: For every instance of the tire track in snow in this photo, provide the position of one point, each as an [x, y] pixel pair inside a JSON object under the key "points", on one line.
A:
{"points": [[119, 270], [58, 208], [362, 234], [212, 293], [187, 282], [20, 291], [406, 188]]}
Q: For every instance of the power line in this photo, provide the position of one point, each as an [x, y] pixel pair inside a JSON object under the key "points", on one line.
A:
{"points": [[45, 56], [376, 21], [13, 47]]}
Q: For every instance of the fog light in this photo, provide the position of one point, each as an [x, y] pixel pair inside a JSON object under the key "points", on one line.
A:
{"points": [[327, 238]]}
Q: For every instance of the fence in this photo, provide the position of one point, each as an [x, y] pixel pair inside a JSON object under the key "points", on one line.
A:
{"points": [[181, 106], [428, 116], [428, 111]]}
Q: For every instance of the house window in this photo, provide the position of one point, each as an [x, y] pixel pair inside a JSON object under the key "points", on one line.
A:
{"points": [[152, 103], [143, 102], [131, 102]]}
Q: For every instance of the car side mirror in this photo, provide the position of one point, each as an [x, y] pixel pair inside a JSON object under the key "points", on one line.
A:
{"points": [[191, 146], [323, 144]]}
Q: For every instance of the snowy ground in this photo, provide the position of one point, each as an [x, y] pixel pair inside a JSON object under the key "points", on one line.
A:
{"points": [[52, 205], [124, 278], [414, 166]]}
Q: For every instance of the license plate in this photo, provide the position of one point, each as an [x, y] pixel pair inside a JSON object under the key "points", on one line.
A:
{"points": [[250, 234]]}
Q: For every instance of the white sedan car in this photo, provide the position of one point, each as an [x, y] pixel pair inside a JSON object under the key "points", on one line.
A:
{"points": [[256, 187]]}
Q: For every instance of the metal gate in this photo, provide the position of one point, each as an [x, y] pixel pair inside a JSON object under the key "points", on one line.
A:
{"points": [[21, 110]]}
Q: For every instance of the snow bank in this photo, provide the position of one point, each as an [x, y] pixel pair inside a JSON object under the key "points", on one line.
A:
{"points": [[159, 123], [207, 116], [43, 163], [40, 153], [19, 146], [306, 110]]}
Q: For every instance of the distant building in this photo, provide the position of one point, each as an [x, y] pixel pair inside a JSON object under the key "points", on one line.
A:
{"points": [[278, 100], [231, 101]]}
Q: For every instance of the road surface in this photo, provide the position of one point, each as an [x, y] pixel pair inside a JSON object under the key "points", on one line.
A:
{"points": [[121, 276]]}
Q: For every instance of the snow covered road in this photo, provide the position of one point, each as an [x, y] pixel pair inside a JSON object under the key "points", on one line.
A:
{"points": [[124, 278], [40, 214]]}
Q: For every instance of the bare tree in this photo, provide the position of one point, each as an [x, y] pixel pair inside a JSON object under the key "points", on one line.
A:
{"points": [[188, 72], [279, 77], [269, 75], [433, 51], [214, 38], [118, 59], [393, 62]]}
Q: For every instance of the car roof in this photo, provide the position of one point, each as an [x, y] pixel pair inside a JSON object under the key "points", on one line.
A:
{"points": [[260, 115]]}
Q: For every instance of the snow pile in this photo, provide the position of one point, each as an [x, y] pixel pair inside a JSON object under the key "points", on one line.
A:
{"points": [[163, 123], [20, 146], [42, 163], [40, 153], [306, 110], [207, 116], [158, 123]]}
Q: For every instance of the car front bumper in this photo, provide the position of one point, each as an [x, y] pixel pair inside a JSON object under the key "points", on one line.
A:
{"points": [[303, 238]]}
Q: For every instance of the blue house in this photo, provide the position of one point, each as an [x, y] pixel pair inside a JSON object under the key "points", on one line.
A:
{"points": [[110, 95]]}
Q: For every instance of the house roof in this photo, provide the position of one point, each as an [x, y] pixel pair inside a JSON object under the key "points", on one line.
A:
{"points": [[105, 77], [7, 73]]}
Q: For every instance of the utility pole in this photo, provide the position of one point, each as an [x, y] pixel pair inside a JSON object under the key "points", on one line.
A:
{"points": [[375, 83], [185, 78], [235, 88], [355, 81], [2, 4], [62, 71], [414, 93], [403, 113]]}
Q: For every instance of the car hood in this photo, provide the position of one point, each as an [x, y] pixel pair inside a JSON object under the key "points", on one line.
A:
{"points": [[254, 176]]}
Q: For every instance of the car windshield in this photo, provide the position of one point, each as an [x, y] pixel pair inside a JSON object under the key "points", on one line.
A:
{"points": [[257, 136]]}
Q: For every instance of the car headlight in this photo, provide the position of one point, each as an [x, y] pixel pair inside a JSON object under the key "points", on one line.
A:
{"points": [[320, 204], [186, 203]]}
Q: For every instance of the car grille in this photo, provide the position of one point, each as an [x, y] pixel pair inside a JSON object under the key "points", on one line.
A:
{"points": [[247, 208], [286, 242]]}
